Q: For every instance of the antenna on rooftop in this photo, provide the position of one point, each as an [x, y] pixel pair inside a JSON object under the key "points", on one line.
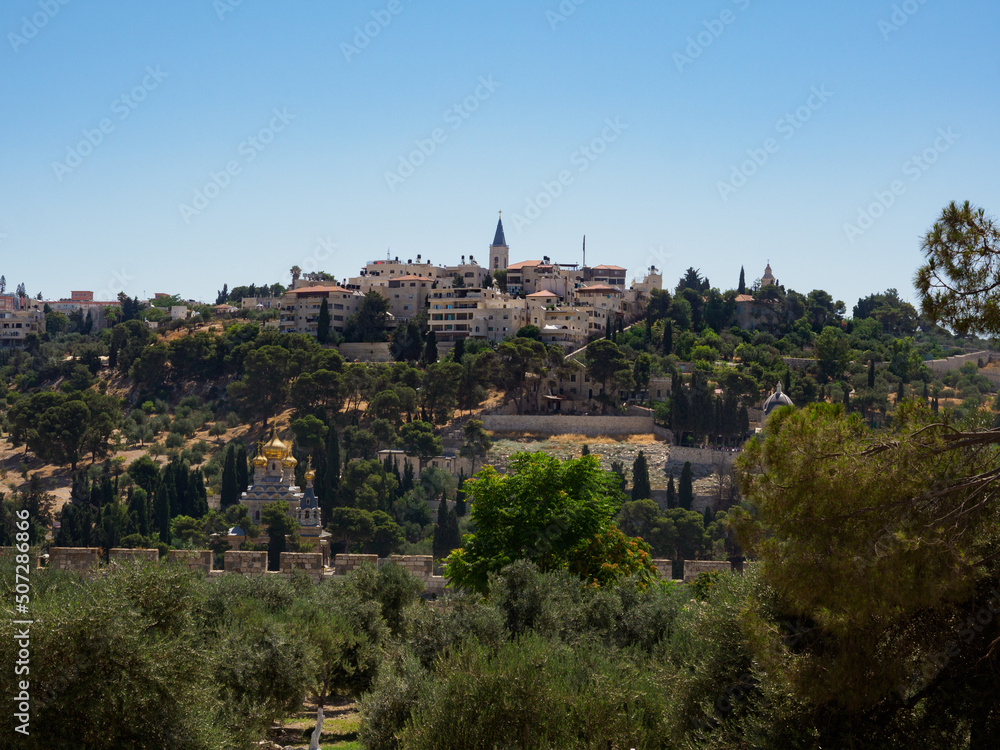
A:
{"points": [[584, 251]]}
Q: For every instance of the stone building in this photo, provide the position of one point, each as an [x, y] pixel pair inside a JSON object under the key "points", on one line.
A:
{"points": [[274, 480]]}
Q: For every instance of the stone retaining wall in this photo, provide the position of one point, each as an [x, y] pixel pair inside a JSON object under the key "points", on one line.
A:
{"points": [[954, 363], [125, 555], [366, 352], [192, 559], [346, 563], [247, 563], [562, 424], [78, 559], [422, 566], [694, 568], [309, 562]]}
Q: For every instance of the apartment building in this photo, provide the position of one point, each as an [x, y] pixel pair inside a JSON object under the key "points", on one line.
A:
{"points": [[300, 308]]}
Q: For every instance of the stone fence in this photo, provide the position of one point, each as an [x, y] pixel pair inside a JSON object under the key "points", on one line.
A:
{"points": [[554, 424], [954, 363], [86, 560]]}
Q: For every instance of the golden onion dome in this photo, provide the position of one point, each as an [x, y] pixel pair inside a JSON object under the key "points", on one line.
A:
{"points": [[289, 461], [274, 449], [310, 472], [259, 461]]}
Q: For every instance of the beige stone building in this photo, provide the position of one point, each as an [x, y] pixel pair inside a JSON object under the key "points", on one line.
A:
{"points": [[300, 308], [475, 313]]}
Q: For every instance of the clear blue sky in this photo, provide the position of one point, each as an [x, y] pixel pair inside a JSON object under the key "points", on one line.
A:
{"points": [[689, 108]]}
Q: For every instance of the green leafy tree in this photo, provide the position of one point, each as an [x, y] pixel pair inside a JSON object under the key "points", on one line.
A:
{"points": [[281, 531], [371, 320], [604, 361], [556, 514], [264, 387], [959, 285], [477, 442], [833, 352], [418, 439]]}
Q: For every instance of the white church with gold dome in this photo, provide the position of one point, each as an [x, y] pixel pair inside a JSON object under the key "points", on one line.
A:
{"points": [[274, 480]]}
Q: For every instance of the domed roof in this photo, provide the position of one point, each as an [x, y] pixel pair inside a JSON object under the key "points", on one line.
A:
{"points": [[237, 531], [289, 461], [259, 460], [274, 449], [775, 400]]}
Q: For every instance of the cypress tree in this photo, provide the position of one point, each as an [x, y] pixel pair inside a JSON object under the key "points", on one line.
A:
{"points": [[607, 328], [439, 545], [242, 468], [668, 337], [671, 492], [460, 507], [586, 450], [685, 490], [708, 517], [871, 373], [900, 394], [431, 348], [230, 493], [459, 351], [407, 483], [138, 506], [161, 504], [323, 323], [640, 478], [742, 288], [197, 494], [333, 458]]}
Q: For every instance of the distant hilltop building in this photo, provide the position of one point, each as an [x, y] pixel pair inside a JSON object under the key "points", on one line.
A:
{"points": [[570, 303], [776, 399], [768, 278]]}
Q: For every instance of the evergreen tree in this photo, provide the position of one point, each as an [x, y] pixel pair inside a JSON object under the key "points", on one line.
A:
{"points": [[197, 494], [138, 506], [459, 351], [323, 323], [242, 468], [430, 348], [871, 373], [671, 493], [230, 493], [685, 490], [900, 394], [709, 516], [586, 450], [460, 506], [640, 478], [161, 504], [439, 545], [668, 337], [742, 288], [607, 328], [407, 484], [619, 468]]}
